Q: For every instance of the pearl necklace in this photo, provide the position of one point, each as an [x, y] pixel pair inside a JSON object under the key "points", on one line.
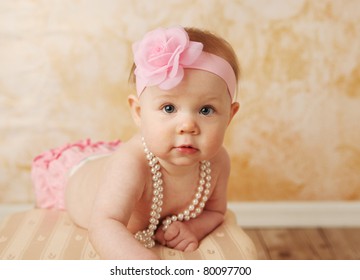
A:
{"points": [[192, 211]]}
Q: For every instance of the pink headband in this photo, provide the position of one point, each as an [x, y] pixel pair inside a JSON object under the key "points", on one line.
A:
{"points": [[161, 56]]}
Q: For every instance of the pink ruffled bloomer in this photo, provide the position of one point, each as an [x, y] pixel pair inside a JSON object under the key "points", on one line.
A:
{"points": [[50, 170]]}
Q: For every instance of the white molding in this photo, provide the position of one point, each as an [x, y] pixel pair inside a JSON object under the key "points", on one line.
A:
{"points": [[297, 214]]}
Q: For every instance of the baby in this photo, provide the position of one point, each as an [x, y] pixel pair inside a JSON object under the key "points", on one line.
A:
{"points": [[168, 183]]}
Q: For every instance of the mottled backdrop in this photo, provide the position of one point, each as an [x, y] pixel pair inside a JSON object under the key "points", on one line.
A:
{"points": [[64, 68]]}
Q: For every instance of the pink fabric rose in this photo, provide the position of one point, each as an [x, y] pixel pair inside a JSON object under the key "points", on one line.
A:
{"points": [[161, 56]]}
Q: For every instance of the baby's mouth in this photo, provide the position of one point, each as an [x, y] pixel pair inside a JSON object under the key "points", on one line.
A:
{"points": [[186, 149]]}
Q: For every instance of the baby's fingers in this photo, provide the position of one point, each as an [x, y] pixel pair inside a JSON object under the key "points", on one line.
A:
{"points": [[191, 246], [159, 237], [172, 232], [184, 245]]}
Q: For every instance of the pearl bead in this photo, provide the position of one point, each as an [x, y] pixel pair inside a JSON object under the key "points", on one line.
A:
{"points": [[146, 236]]}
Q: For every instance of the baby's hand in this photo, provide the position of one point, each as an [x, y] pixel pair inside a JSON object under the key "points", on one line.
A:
{"points": [[178, 236]]}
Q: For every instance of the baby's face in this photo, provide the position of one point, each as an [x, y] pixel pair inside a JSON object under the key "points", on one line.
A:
{"points": [[187, 124]]}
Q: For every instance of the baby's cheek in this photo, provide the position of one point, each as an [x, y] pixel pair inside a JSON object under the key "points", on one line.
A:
{"points": [[213, 143]]}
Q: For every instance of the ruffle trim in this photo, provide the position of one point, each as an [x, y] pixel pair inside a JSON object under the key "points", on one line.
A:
{"points": [[50, 169]]}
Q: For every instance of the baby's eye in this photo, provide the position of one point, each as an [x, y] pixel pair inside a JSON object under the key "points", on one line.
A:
{"points": [[207, 110], [169, 109]]}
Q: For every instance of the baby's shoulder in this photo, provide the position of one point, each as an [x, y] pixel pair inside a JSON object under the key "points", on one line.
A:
{"points": [[221, 163], [222, 157], [130, 156]]}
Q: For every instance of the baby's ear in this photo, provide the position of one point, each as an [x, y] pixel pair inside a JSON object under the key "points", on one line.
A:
{"points": [[135, 109], [234, 109]]}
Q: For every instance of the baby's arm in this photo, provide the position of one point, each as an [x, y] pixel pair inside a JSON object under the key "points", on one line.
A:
{"points": [[112, 240], [185, 236], [114, 204]]}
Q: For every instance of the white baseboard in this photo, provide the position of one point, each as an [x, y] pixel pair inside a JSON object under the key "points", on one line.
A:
{"points": [[271, 214], [297, 214]]}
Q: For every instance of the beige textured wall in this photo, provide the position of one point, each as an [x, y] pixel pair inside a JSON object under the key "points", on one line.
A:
{"points": [[63, 77]]}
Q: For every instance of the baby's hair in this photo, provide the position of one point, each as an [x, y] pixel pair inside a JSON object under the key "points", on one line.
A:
{"points": [[212, 44]]}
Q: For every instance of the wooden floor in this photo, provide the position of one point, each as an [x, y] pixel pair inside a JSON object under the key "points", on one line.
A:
{"points": [[306, 243]]}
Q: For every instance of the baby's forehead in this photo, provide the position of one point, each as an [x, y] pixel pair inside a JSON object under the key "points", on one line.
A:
{"points": [[154, 95]]}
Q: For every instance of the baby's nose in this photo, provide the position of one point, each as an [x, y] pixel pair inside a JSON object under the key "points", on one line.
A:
{"points": [[188, 125]]}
